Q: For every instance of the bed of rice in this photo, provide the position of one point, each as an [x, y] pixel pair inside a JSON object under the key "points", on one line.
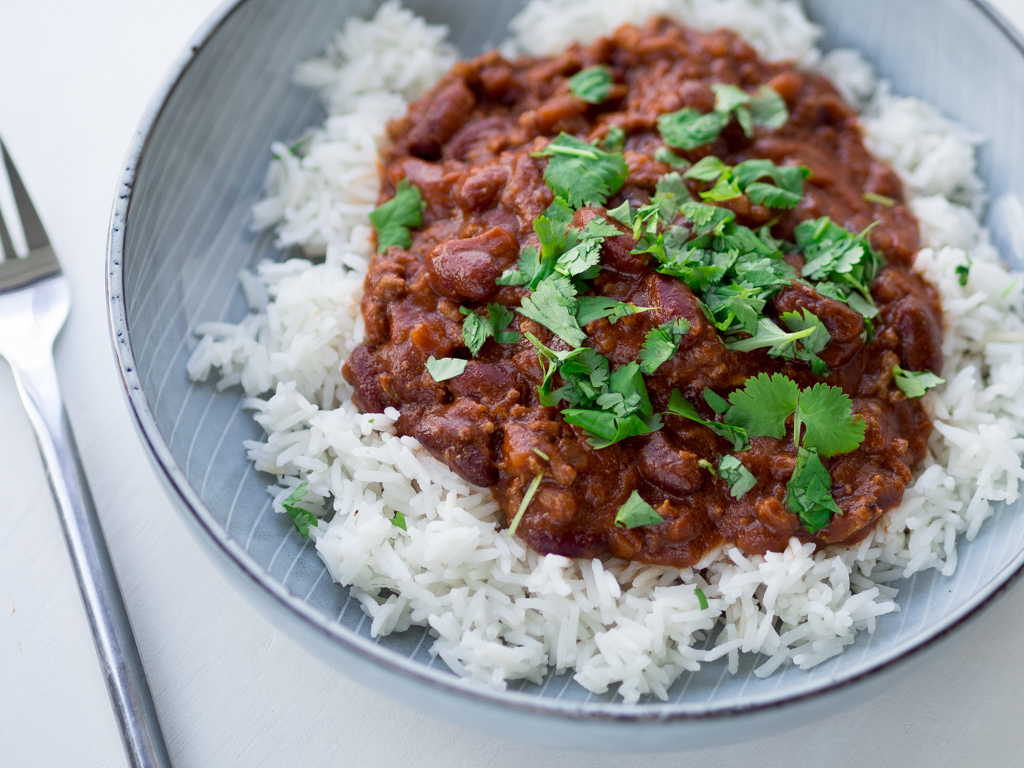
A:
{"points": [[497, 611]]}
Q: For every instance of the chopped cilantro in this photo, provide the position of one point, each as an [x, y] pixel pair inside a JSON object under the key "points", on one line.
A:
{"points": [[397, 216], [702, 599], [592, 85], [835, 254], [731, 182], [527, 498], [636, 512], [680, 406], [445, 368], [581, 173], [915, 383], [689, 129], [302, 518], [662, 343], [399, 521], [809, 492], [963, 271], [738, 477]]}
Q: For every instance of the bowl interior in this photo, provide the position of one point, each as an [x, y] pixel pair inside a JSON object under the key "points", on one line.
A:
{"points": [[186, 235]]}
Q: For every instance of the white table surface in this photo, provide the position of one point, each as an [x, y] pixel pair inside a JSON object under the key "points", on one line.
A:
{"points": [[231, 690]]}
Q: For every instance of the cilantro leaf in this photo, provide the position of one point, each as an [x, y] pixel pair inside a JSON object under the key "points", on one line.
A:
{"points": [[826, 413], [662, 343], [397, 216], [670, 158], [501, 317], [707, 218], [706, 169], [399, 521], [606, 428], [813, 344], [622, 213], [728, 97], [592, 85], [760, 193], [717, 403], [614, 140], [445, 368], [778, 342], [475, 330], [725, 189], [591, 308], [302, 518], [581, 173], [809, 492], [549, 305], [738, 477], [524, 272], [689, 129], [915, 383], [671, 186], [636, 512], [586, 254], [763, 405], [680, 406], [768, 108]]}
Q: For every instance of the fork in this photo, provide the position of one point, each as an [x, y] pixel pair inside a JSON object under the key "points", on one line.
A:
{"points": [[34, 303]]}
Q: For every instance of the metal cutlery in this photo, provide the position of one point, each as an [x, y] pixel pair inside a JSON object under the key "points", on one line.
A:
{"points": [[34, 303]]}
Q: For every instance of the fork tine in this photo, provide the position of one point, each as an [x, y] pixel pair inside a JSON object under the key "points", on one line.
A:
{"points": [[35, 235], [5, 240]]}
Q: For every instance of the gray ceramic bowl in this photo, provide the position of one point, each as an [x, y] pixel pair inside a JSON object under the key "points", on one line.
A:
{"points": [[179, 237]]}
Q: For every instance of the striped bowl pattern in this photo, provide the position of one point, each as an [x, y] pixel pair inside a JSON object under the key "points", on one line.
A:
{"points": [[179, 236]]}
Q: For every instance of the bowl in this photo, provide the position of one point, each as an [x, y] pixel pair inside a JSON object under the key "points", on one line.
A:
{"points": [[179, 235]]}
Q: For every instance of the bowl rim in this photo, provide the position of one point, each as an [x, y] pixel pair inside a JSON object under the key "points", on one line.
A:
{"points": [[192, 506]]}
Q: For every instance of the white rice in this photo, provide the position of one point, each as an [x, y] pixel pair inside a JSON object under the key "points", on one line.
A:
{"points": [[498, 611]]}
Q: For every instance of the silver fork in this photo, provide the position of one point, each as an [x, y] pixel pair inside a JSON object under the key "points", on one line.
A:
{"points": [[34, 303]]}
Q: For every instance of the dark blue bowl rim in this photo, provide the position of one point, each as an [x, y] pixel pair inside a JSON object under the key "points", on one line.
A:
{"points": [[188, 500]]}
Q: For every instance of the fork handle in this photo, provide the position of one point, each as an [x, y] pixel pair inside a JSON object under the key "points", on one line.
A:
{"points": [[108, 619]]}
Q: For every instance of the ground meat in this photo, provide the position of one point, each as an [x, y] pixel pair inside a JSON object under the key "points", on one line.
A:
{"points": [[469, 147]]}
